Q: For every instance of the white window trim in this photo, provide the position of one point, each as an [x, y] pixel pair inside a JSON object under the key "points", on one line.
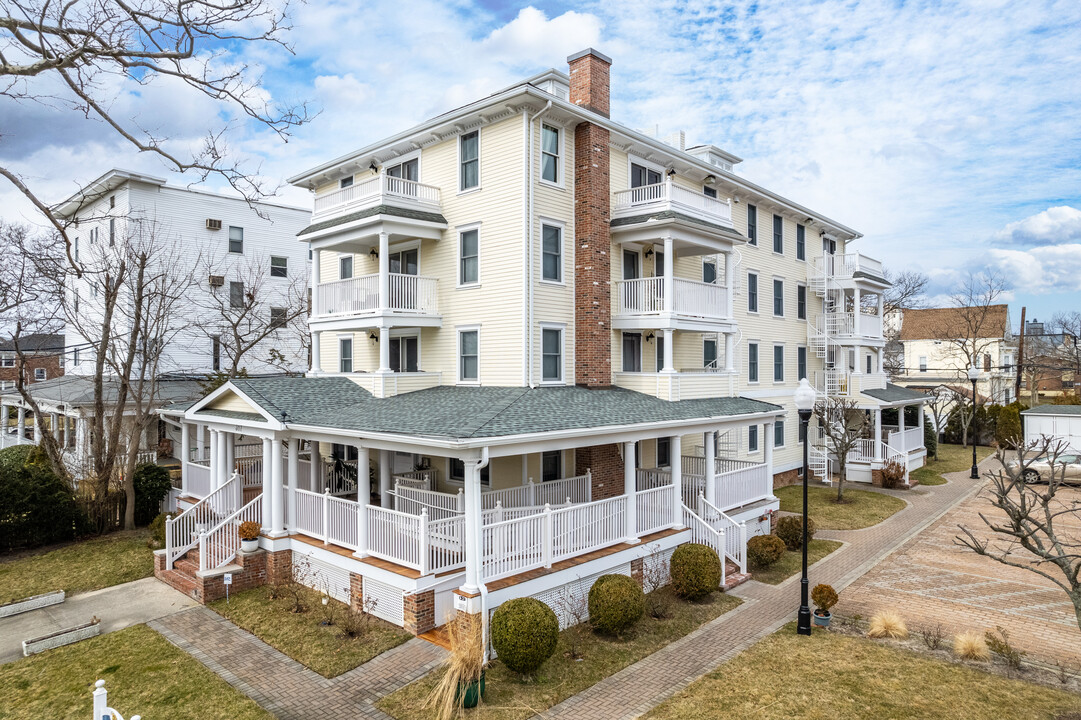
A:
{"points": [[415, 155], [806, 359], [795, 243], [458, 353], [771, 234], [716, 347], [43, 372], [458, 165], [352, 352], [758, 347], [461, 230], [562, 329], [757, 291], [773, 297], [784, 433], [753, 242], [408, 333], [279, 257], [407, 245], [635, 160], [561, 162], [562, 281], [773, 362], [806, 303], [758, 448], [641, 262]]}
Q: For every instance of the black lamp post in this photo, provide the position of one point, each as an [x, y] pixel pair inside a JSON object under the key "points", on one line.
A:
{"points": [[974, 375], [804, 399]]}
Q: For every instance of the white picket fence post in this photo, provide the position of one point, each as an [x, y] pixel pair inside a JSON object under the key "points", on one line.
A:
{"points": [[532, 493], [168, 542], [425, 541], [326, 516], [102, 711], [743, 548], [589, 485], [202, 549], [547, 535], [460, 501]]}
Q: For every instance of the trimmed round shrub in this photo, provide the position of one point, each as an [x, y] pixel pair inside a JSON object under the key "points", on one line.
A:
{"points": [[790, 530], [696, 571], [152, 484], [615, 603], [524, 633], [764, 550]]}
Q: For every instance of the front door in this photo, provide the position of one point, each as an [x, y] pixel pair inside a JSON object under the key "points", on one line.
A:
{"points": [[405, 262], [641, 175]]}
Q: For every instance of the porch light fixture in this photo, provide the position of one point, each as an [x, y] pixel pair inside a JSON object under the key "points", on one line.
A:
{"points": [[710, 179], [671, 172], [373, 167], [974, 375], [804, 400], [648, 253], [374, 254], [373, 337], [649, 337]]}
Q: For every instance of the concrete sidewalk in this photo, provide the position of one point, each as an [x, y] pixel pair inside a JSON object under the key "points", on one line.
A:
{"points": [[118, 607]]}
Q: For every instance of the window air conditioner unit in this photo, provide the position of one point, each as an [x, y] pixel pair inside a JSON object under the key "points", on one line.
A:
{"points": [[217, 280], [213, 224]]}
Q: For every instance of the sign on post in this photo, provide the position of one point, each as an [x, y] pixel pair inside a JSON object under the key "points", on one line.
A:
{"points": [[228, 580]]}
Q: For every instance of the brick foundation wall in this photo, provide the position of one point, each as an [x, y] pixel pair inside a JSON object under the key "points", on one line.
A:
{"points": [[356, 591], [419, 611], [279, 566], [786, 478], [606, 465], [253, 573], [638, 571]]}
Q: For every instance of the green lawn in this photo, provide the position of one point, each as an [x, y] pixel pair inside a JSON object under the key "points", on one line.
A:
{"points": [[303, 636], [144, 674], [792, 562], [862, 508], [951, 458], [85, 565], [830, 676], [509, 698]]}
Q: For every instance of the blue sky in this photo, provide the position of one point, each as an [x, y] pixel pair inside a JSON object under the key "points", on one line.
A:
{"points": [[945, 131]]}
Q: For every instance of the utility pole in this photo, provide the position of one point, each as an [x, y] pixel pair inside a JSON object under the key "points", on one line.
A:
{"points": [[1020, 357]]}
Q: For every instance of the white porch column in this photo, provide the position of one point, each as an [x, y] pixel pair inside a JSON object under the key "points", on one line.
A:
{"points": [[277, 486], [316, 462], [80, 438], [878, 360], [384, 351], [472, 525], [919, 418], [199, 441], [37, 428], [63, 432], [711, 467], [364, 495], [878, 431], [669, 278], [630, 472], [384, 479], [881, 307], [20, 423], [230, 455], [677, 479], [669, 337], [317, 270], [185, 455], [729, 352], [215, 461], [901, 428], [294, 472], [767, 452], [268, 486], [856, 317], [730, 282], [384, 271], [317, 366], [54, 426]]}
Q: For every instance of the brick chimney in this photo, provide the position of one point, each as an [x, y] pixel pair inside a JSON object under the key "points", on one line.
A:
{"points": [[592, 213]]}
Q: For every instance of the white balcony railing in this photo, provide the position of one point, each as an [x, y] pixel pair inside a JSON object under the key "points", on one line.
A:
{"points": [[406, 294], [645, 296], [841, 382], [840, 325], [669, 196], [846, 266], [374, 191]]}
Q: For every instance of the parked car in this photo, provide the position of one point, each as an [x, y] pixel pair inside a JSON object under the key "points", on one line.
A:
{"points": [[1066, 467]]}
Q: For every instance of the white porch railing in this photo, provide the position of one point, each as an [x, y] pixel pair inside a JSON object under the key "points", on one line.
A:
{"points": [[645, 296], [440, 506], [910, 439], [696, 464], [847, 265], [407, 294], [428, 479], [372, 190], [734, 533], [220, 544], [869, 450], [653, 510], [705, 534], [668, 195], [640, 296], [198, 479], [398, 537], [514, 546], [743, 486], [583, 528], [182, 532]]}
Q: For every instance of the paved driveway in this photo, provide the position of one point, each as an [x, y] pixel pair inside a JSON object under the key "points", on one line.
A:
{"points": [[931, 580]]}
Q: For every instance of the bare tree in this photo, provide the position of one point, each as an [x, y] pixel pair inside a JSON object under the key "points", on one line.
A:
{"points": [[844, 424], [79, 55], [974, 329], [1036, 528], [906, 292], [254, 315], [939, 401], [1039, 365]]}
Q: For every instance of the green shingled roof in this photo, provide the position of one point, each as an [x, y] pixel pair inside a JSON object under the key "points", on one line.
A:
{"points": [[672, 215], [476, 412], [370, 212], [895, 393], [1053, 410]]}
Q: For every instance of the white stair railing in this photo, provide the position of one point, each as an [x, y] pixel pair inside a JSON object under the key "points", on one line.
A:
{"points": [[734, 533], [182, 532], [220, 545], [705, 534]]}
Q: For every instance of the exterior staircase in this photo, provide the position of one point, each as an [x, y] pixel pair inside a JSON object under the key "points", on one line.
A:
{"points": [[732, 576]]}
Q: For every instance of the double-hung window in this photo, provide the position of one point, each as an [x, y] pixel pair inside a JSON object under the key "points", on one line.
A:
{"points": [[801, 242], [345, 182], [778, 234], [869, 365], [469, 355], [551, 354], [551, 465], [752, 362], [710, 192], [75, 356], [215, 353], [801, 302], [550, 153], [801, 363], [664, 452], [778, 363], [112, 231], [236, 239], [236, 296], [552, 253], [778, 298], [469, 160], [641, 176], [278, 317], [752, 225], [752, 438], [469, 257], [778, 433], [709, 271], [279, 267], [632, 352], [752, 292], [39, 373], [709, 353], [345, 354], [923, 363], [345, 267]]}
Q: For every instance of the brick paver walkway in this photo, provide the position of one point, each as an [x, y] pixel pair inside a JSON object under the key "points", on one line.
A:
{"points": [[285, 687], [931, 580]]}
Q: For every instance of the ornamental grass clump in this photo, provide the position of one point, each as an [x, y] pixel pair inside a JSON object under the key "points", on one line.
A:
{"points": [[790, 531], [463, 667], [970, 645], [887, 624], [764, 550], [615, 603], [695, 571], [525, 632]]}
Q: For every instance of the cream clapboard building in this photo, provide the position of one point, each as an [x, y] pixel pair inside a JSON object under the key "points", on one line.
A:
{"points": [[534, 325]]}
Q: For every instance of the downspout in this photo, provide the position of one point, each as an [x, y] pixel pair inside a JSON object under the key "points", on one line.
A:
{"points": [[529, 247]]}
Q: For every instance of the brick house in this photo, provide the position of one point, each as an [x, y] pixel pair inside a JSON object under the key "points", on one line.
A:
{"points": [[43, 353]]}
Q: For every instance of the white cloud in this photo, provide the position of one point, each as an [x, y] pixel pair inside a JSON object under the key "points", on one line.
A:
{"points": [[532, 37], [1041, 270], [1053, 226]]}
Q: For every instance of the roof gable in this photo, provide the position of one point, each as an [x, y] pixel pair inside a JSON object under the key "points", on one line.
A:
{"points": [[948, 323]]}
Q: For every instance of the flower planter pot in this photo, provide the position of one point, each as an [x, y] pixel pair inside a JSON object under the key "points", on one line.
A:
{"points": [[249, 546], [470, 693], [822, 618]]}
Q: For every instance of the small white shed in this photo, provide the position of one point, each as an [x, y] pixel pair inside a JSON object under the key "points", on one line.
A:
{"points": [[1059, 421]]}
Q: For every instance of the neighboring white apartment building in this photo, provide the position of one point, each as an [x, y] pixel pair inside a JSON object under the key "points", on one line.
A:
{"points": [[550, 336]]}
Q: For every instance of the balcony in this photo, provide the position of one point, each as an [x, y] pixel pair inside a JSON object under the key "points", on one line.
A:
{"points": [[683, 304], [373, 192], [846, 270], [683, 385], [841, 383], [667, 196], [851, 326], [409, 300]]}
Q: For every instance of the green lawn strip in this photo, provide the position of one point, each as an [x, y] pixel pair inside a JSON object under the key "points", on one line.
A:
{"points": [[834, 676], [951, 458], [862, 508], [509, 698], [85, 565], [792, 562], [303, 636], [144, 674]]}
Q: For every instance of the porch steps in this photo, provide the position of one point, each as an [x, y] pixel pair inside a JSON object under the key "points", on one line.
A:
{"points": [[732, 576], [183, 576]]}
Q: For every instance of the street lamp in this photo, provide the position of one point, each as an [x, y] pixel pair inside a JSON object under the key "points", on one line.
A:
{"points": [[974, 375], [804, 399]]}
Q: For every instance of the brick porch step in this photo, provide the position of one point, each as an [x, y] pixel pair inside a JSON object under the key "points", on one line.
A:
{"points": [[733, 577]]}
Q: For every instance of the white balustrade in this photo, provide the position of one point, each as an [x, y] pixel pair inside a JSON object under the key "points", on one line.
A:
{"points": [[182, 532], [640, 296], [408, 294], [696, 464], [668, 195], [653, 510], [700, 299], [373, 190], [427, 479], [198, 479], [743, 486], [341, 522], [514, 546], [705, 534], [440, 506], [397, 536], [583, 528], [734, 534], [219, 545], [309, 508]]}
